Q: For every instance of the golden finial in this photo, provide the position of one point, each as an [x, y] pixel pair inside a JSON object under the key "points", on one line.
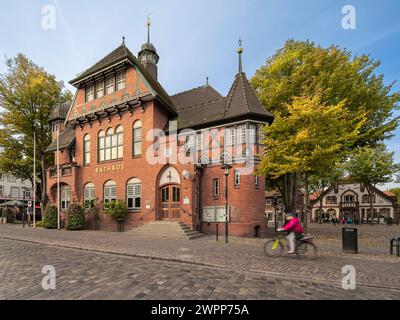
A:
{"points": [[240, 49]]}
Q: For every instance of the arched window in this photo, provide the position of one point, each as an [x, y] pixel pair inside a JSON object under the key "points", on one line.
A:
{"points": [[65, 196], [134, 194], [89, 196], [111, 144], [86, 149], [137, 138], [110, 192]]}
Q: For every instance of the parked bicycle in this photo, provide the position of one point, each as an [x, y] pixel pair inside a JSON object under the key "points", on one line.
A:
{"points": [[305, 247]]}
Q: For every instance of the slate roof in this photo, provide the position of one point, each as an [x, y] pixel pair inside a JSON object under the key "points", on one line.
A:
{"points": [[59, 111], [65, 140], [118, 55], [203, 105], [195, 97], [242, 99]]}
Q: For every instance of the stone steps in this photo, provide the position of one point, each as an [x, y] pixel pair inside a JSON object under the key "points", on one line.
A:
{"points": [[166, 229]]}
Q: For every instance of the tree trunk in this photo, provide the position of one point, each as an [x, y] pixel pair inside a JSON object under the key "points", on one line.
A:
{"points": [[306, 201], [290, 191]]}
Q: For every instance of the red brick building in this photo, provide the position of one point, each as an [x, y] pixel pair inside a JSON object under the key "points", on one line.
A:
{"points": [[123, 137]]}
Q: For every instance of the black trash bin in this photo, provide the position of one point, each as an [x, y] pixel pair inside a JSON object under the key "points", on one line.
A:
{"points": [[389, 221], [350, 240]]}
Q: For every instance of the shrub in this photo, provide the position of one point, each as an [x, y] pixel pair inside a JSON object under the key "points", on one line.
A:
{"points": [[39, 224], [75, 217], [117, 210], [50, 217], [9, 214]]}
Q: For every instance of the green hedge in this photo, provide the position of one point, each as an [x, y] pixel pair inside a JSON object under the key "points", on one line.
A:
{"points": [[50, 217], [75, 217]]}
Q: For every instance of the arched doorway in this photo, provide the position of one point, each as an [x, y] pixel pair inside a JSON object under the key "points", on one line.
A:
{"points": [[170, 195]]}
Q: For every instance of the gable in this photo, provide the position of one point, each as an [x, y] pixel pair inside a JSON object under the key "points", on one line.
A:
{"points": [[135, 87]]}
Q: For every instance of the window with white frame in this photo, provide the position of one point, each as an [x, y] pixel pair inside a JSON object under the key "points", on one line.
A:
{"points": [[200, 141], [26, 194], [14, 192], [65, 197], [229, 136], [216, 188], [189, 144], [100, 89], [134, 194], [252, 133], [86, 149], [110, 84], [111, 144], [89, 92], [241, 134], [121, 80], [1, 191], [89, 197], [256, 181], [110, 192], [137, 138], [237, 178], [11, 178]]}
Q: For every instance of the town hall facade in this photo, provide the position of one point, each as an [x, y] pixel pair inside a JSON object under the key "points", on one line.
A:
{"points": [[124, 137]]}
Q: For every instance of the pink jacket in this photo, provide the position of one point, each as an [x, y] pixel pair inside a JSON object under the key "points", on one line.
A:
{"points": [[294, 226]]}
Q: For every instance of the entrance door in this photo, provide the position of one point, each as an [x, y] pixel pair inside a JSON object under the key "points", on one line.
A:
{"points": [[170, 203]]}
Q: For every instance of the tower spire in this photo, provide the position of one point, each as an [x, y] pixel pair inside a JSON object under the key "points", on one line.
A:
{"points": [[240, 51], [148, 28]]}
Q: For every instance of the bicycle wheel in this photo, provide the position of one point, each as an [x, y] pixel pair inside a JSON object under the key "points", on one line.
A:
{"points": [[307, 250], [273, 248]]}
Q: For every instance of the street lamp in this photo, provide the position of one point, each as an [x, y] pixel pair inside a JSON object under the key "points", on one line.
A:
{"points": [[226, 168]]}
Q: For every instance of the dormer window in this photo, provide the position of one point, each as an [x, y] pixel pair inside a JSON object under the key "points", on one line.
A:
{"points": [[89, 92], [99, 89], [121, 80], [110, 84]]}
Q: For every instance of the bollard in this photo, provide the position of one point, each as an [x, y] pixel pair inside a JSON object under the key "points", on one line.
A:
{"points": [[395, 243], [398, 247], [217, 232]]}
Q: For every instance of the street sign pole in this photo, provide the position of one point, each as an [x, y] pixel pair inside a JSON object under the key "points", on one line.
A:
{"points": [[34, 180]]}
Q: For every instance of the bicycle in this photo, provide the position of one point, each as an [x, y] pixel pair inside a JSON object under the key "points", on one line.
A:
{"points": [[305, 247]]}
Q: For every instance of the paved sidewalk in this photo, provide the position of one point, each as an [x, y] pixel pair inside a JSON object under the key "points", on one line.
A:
{"points": [[93, 275], [374, 267]]}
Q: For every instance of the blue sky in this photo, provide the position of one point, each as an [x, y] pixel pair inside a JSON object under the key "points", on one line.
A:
{"points": [[196, 39]]}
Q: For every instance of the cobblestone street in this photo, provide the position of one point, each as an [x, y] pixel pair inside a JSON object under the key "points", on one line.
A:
{"points": [[100, 265]]}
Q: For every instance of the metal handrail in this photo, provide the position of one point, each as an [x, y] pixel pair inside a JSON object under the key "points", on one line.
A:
{"points": [[147, 213], [188, 213]]}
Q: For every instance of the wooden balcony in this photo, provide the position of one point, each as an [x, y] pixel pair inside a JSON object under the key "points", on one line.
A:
{"points": [[349, 205]]}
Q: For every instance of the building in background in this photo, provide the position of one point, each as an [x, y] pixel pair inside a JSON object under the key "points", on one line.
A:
{"points": [[275, 208], [352, 201], [13, 189]]}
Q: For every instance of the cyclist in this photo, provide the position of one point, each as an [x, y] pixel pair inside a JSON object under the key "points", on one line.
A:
{"points": [[295, 230]]}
